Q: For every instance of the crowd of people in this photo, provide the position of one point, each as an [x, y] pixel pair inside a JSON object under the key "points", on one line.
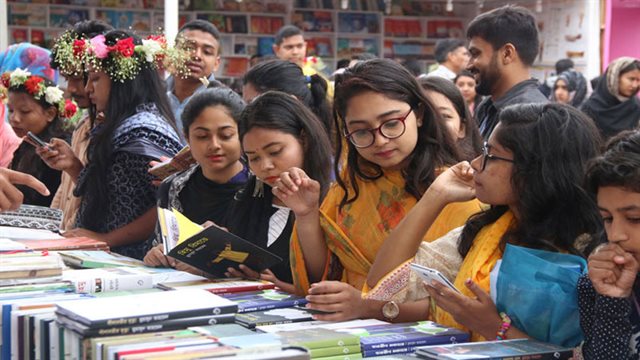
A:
{"points": [[352, 178]]}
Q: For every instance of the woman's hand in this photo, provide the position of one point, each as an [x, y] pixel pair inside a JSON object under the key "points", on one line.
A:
{"points": [[58, 155], [10, 196], [156, 258], [341, 300], [245, 272], [612, 270], [298, 191], [455, 184], [479, 315]]}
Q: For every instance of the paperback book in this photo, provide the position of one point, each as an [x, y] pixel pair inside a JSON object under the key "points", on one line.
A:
{"points": [[96, 259], [264, 300], [180, 162], [77, 243], [220, 286], [271, 317], [496, 350], [210, 249]]}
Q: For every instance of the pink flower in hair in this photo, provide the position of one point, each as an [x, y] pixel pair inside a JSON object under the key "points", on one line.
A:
{"points": [[98, 46]]}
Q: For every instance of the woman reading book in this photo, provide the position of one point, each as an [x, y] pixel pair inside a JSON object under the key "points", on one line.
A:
{"points": [[278, 132], [118, 199], [610, 293], [396, 146], [530, 172], [205, 191]]}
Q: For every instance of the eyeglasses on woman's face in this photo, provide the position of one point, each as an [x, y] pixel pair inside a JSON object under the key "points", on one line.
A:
{"points": [[486, 156], [390, 129]]}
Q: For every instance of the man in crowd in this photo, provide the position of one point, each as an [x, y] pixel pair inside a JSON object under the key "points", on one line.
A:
{"points": [[503, 44], [452, 57]]}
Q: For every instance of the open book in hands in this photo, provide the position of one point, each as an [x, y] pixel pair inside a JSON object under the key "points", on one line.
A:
{"points": [[210, 249], [180, 162]]}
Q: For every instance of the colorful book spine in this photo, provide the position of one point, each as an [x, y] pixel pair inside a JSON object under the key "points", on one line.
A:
{"points": [[409, 340], [334, 351]]}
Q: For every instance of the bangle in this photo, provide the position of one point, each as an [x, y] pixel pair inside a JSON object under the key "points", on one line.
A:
{"points": [[506, 325]]}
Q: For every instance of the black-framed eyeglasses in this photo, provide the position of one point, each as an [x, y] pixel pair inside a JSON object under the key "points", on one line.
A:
{"points": [[486, 156], [390, 129]]}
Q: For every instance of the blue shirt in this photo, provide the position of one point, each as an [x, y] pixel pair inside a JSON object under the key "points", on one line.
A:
{"points": [[178, 106]]}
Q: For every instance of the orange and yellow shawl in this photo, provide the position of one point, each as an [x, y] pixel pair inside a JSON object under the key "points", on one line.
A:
{"points": [[477, 265], [355, 234]]}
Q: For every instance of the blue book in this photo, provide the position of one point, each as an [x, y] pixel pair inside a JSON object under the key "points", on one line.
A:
{"points": [[406, 335], [264, 300]]}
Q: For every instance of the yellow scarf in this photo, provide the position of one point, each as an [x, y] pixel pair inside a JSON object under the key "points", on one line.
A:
{"points": [[354, 235], [477, 265]]}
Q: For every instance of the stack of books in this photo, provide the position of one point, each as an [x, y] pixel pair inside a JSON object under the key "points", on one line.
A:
{"points": [[323, 343], [78, 243], [220, 286], [96, 259], [273, 317], [497, 350], [29, 267], [264, 300]]}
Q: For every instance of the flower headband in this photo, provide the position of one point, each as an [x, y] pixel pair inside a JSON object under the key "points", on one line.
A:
{"points": [[36, 87], [127, 58]]}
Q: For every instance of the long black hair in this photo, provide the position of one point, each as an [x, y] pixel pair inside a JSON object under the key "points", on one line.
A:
{"points": [[434, 149], [124, 99], [471, 145], [285, 76], [618, 166], [279, 111], [551, 145]]}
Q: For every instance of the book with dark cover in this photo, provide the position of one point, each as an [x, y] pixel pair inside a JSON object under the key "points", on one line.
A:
{"points": [[264, 300], [272, 317], [212, 249], [145, 308], [405, 335], [497, 350], [166, 325]]}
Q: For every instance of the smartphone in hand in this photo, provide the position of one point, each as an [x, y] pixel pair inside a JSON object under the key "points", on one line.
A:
{"points": [[428, 275], [36, 139]]}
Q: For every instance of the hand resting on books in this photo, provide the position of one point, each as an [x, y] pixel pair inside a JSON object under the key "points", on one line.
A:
{"points": [[245, 272], [10, 196], [341, 300]]}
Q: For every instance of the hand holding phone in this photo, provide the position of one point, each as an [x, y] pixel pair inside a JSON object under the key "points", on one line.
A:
{"points": [[36, 139], [429, 275]]}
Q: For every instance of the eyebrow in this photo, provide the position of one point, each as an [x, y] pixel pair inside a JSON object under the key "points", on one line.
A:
{"points": [[264, 147], [622, 209], [383, 115]]}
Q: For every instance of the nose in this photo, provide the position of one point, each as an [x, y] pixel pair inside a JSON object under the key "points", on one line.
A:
{"points": [[476, 164], [616, 231], [214, 143], [88, 88], [379, 139], [267, 165]]}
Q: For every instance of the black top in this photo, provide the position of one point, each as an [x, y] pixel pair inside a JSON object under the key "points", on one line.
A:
{"points": [[249, 218], [487, 113], [611, 325], [26, 160]]}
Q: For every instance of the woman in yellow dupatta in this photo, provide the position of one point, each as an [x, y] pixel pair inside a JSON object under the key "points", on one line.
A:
{"points": [[396, 146], [531, 172]]}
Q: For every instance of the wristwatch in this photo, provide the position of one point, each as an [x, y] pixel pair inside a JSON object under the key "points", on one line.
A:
{"points": [[390, 310]]}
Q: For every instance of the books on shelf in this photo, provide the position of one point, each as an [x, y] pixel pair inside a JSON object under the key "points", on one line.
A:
{"points": [[498, 350], [445, 28], [64, 17], [313, 21], [146, 308], [96, 259], [219, 286], [211, 249], [264, 300], [359, 23], [135, 20], [266, 24]]}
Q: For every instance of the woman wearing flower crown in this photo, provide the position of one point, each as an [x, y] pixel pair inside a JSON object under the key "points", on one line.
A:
{"points": [[35, 105], [118, 204]]}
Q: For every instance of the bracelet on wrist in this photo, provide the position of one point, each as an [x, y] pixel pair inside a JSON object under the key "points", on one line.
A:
{"points": [[506, 325]]}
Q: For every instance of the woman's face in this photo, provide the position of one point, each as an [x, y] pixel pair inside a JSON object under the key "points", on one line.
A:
{"points": [[98, 89], [493, 183], [272, 152], [620, 211], [561, 92], [370, 110], [26, 114], [215, 145], [467, 86], [629, 83], [448, 113]]}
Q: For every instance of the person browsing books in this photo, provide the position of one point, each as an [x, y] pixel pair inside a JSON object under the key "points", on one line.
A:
{"points": [[609, 294], [396, 147], [205, 191], [530, 173], [278, 133], [10, 196], [118, 199]]}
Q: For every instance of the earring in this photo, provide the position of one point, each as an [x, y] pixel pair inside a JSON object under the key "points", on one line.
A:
{"points": [[258, 189]]}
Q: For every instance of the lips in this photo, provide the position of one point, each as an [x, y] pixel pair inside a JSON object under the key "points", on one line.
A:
{"points": [[215, 158], [19, 132], [271, 179], [384, 154]]}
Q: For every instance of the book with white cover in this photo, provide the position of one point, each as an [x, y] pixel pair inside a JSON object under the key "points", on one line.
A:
{"points": [[146, 308], [331, 325], [108, 279]]}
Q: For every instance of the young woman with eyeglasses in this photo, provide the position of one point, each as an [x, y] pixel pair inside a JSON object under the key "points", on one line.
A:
{"points": [[396, 147], [531, 173]]}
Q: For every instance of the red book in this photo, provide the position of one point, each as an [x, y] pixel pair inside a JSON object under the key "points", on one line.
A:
{"points": [[77, 243], [221, 286]]}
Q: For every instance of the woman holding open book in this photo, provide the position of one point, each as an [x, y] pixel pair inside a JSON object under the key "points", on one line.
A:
{"points": [[530, 172], [396, 146], [118, 199], [205, 191], [278, 132]]}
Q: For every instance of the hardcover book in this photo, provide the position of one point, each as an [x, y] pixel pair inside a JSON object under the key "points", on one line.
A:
{"points": [[212, 249], [220, 286], [146, 308], [496, 350], [270, 317], [264, 300]]}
